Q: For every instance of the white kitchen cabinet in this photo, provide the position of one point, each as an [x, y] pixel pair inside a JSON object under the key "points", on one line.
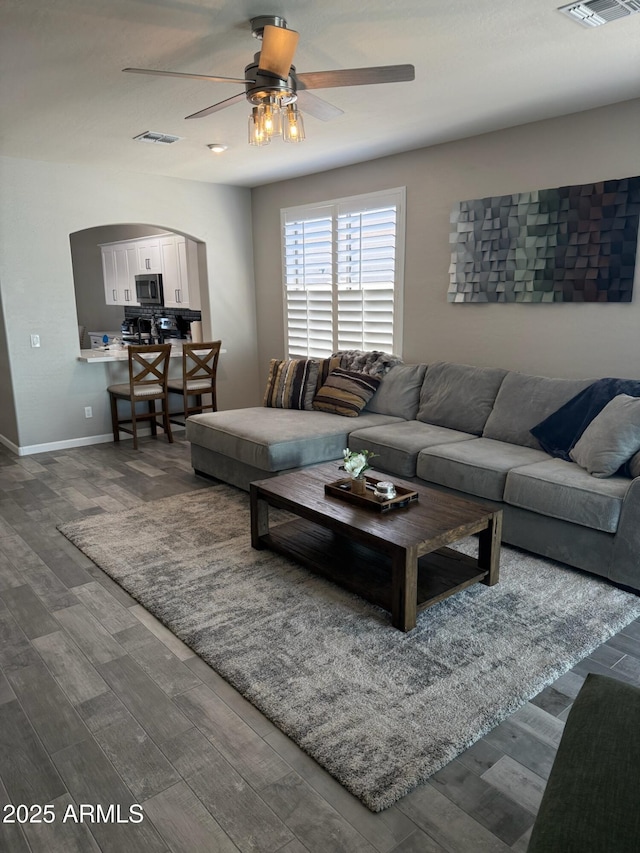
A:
{"points": [[109, 275], [149, 257], [125, 264], [180, 279], [119, 266], [170, 254], [193, 274], [171, 272]]}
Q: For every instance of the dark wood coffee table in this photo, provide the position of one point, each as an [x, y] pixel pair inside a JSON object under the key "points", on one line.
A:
{"points": [[397, 560]]}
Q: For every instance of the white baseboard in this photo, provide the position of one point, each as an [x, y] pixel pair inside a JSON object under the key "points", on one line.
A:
{"points": [[13, 447], [67, 444]]}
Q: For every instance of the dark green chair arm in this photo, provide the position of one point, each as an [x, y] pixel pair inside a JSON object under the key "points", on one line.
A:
{"points": [[592, 800]]}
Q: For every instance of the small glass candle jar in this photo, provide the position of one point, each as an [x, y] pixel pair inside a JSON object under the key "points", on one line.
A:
{"points": [[385, 490]]}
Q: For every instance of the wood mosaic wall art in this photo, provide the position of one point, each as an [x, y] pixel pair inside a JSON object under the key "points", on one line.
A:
{"points": [[571, 244]]}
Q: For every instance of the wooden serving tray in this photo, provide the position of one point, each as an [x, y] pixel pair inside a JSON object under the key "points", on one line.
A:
{"points": [[342, 489]]}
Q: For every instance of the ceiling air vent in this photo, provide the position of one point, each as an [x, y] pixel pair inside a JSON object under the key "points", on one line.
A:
{"points": [[599, 12], [160, 138]]}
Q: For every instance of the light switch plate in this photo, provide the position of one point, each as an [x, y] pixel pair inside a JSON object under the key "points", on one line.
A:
{"points": [[35, 340]]}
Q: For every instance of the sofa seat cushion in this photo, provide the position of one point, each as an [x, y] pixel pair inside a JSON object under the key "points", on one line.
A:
{"points": [[478, 467], [459, 396], [396, 446], [523, 401], [277, 439], [566, 491]]}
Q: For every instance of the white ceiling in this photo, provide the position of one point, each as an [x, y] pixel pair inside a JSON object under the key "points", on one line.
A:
{"points": [[480, 65]]}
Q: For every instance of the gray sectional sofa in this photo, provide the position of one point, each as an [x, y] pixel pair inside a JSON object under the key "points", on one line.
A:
{"points": [[460, 428]]}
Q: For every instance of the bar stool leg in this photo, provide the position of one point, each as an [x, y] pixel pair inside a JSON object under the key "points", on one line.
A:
{"points": [[114, 417], [153, 421]]}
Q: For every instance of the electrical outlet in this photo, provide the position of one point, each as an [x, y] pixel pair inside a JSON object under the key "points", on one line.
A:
{"points": [[88, 412], [35, 340]]}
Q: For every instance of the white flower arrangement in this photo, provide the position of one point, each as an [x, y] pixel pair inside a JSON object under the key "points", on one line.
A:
{"points": [[356, 462]]}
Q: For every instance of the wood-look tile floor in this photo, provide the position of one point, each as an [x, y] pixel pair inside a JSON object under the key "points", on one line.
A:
{"points": [[99, 703]]}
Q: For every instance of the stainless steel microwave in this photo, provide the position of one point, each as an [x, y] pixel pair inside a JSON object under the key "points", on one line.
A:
{"points": [[149, 289]]}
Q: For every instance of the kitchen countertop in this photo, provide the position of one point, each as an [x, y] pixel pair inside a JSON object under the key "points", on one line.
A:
{"points": [[101, 355], [93, 356]]}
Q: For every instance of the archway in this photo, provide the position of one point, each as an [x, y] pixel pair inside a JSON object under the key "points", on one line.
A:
{"points": [[96, 313]]}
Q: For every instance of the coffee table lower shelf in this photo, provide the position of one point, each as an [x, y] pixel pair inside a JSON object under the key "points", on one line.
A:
{"points": [[365, 571]]}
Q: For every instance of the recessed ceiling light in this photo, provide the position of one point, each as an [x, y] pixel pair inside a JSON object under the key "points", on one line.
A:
{"points": [[217, 147]]}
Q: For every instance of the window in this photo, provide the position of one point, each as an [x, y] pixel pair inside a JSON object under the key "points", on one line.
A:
{"points": [[343, 268]]}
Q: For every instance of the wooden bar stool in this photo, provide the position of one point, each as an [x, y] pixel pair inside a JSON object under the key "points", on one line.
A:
{"points": [[199, 370], [148, 371]]}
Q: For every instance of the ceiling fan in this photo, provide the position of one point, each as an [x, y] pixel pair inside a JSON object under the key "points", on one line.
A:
{"points": [[275, 89]]}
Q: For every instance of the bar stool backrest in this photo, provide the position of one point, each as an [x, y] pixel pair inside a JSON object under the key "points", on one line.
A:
{"points": [[148, 368]]}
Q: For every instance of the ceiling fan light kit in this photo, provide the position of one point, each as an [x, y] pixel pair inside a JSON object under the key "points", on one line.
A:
{"points": [[271, 120], [272, 83]]}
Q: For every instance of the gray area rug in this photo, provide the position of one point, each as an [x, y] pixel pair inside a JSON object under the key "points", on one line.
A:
{"points": [[380, 710]]}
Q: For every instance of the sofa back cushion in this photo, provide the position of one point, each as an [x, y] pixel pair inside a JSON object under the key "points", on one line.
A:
{"points": [[399, 392], [523, 401], [632, 468], [459, 396]]}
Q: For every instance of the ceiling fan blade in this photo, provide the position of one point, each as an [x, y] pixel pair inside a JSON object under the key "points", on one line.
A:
{"points": [[278, 47], [189, 76], [356, 77], [317, 107], [221, 105]]}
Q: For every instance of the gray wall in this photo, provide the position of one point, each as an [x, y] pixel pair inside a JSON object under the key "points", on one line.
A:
{"points": [[44, 391], [573, 340], [42, 205], [86, 258], [8, 422]]}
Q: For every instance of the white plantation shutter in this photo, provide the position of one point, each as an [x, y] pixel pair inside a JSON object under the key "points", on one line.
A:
{"points": [[308, 283], [343, 266], [366, 281]]}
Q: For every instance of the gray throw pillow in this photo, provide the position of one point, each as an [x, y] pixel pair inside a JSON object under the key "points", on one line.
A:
{"points": [[611, 438]]}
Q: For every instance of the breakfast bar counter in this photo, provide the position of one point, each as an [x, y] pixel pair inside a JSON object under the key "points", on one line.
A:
{"points": [[106, 354]]}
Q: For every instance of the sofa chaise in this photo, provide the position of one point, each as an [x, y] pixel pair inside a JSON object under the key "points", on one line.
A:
{"points": [[465, 430]]}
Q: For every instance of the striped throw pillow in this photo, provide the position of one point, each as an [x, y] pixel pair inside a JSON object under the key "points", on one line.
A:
{"points": [[325, 366], [291, 383], [346, 392]]}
